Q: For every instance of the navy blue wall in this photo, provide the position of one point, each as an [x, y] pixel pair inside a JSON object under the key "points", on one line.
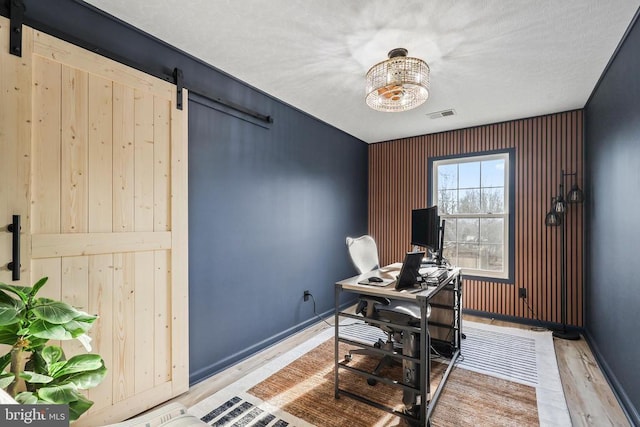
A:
{"points": [[612, 294], [269, 210], [270, 205]]}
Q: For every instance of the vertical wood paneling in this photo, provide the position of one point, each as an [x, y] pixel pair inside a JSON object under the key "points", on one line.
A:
{"points": [[123, 158], [162, 319], [75, 270], [161, 164], [100, 155], [100, 283], [47, 79], [73, 187], [123, 367], [143, 321], [179, 280], [143, 169], [544, 146], [15, 149]]}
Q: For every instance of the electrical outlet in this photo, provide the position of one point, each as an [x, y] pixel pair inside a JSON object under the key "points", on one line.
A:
{"points": [[306, 295], [522, 292]]}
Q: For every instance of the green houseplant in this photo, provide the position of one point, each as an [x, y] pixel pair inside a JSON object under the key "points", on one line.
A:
{"points": [[34, 372]]}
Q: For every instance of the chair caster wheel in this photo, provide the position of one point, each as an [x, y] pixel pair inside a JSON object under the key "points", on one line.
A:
{"points": [[347, 358], [372, 381]]}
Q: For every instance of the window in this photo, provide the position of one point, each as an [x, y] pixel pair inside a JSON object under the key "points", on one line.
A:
{"points": [[472, 195]]}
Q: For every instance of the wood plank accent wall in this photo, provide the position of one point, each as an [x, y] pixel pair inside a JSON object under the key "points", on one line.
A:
{"points": [[544, 146]]}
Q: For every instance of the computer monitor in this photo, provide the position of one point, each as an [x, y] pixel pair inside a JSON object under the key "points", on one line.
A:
{"points": [[426, 230]]}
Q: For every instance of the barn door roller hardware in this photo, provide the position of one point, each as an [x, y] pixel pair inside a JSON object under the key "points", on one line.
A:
{"points": [[177, 79], [16, 16]]}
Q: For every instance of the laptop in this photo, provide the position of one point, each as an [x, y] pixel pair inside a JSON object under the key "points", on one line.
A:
{"points": [[409, 273]]}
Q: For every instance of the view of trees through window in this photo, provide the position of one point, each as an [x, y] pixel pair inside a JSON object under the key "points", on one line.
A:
{"points": [[472, 198]]}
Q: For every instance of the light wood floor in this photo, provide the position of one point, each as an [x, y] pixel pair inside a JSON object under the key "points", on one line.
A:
{"points": [[589, 397]]}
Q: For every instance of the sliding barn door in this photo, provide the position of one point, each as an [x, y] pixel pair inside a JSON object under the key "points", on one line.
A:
{"points": [[108, 221]]}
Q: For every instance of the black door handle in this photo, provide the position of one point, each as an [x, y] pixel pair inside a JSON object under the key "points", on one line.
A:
{"points": [[14, 265]]}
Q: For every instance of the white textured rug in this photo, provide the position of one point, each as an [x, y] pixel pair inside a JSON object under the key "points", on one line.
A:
{"points": [[522, 356], [518, 355]]}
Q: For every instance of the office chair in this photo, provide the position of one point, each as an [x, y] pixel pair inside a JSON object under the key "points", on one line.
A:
{"points": [[364, 255]]}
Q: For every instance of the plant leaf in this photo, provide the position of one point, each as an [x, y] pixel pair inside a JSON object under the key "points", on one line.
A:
{"points": [[79, 363], [9, 334], [21, 291], [35, 378], [77, 328], [6, 378], [79, 407], [85, 317], [4, 297], [27, 398], [87, 380], [43, 329], [51, 354], [57, 312], [55, 367], [63, 393], [85, 340], [39, 284], [9, 313]]}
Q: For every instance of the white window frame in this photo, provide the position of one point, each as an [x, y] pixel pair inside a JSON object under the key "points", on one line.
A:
{"points": [[505, 274]]}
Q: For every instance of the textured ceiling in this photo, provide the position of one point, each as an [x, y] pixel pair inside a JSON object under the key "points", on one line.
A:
{"points": [[490, 60]]}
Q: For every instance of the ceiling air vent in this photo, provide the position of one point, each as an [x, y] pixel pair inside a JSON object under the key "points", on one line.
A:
{"points": [[443, 113]]}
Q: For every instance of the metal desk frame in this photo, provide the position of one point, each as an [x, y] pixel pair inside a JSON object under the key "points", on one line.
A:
{"points": [[427, 402]]}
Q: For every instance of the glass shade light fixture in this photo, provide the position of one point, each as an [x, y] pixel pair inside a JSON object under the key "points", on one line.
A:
{"points": [[575, 195], [559, 206], [553, 218], [398, 84]]}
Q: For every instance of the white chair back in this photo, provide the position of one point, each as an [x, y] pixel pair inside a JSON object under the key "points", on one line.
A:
{"points": [[364, 253]]}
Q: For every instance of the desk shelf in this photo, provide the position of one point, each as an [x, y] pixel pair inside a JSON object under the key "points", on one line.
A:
{"points": [[419, 389]]}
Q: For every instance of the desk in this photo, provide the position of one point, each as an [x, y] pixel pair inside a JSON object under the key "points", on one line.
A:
{"points": [[426, 401]]}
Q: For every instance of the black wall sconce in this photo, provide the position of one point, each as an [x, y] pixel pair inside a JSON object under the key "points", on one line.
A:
{"points": [[556, 218]]}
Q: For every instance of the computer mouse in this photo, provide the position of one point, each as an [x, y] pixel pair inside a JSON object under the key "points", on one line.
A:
{"points": [[375, 279]]}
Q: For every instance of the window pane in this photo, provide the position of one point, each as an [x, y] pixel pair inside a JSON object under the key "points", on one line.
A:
{"points": [[469, 201], [450, 230], [468, 255], [492, 230], [492, 200], [493, 173], [450, 253], [468, 230], [447, 202], [491, 258], [469, 175], [447, 177]]}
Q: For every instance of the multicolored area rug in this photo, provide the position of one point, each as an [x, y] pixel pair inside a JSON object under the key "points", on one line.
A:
{"points": [[505, 377]]}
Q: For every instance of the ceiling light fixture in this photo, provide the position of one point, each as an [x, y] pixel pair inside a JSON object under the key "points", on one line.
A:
{"points": [[398, 84]]}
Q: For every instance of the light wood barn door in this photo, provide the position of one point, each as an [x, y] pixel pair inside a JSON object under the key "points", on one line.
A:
{"points": [[108, 219]]}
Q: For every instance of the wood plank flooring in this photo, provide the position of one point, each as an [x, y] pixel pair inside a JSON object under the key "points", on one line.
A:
{"points": [[590, 400]]}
